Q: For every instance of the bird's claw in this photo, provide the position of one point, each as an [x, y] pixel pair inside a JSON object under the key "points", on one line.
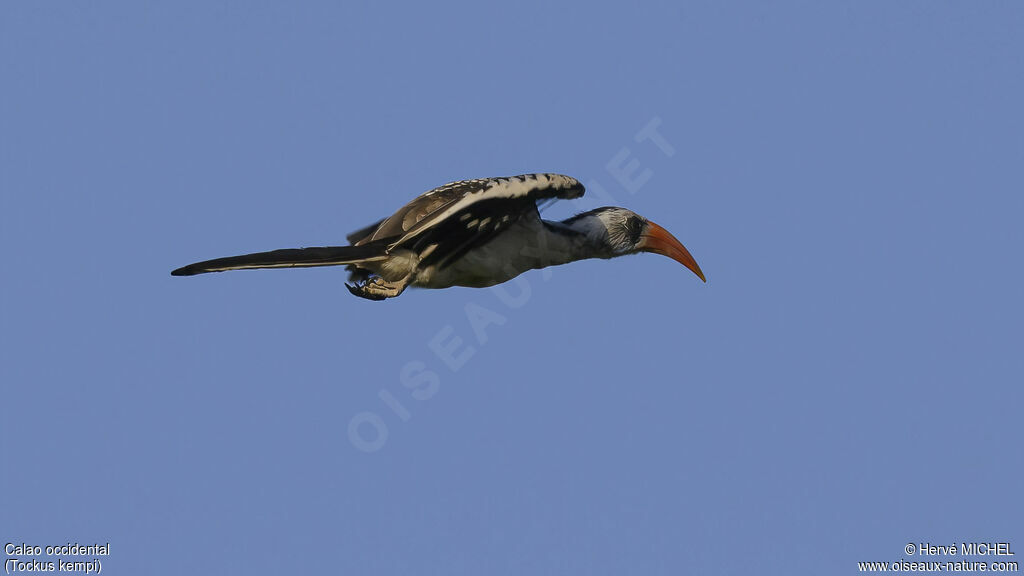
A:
{"points": [[375, 288]]}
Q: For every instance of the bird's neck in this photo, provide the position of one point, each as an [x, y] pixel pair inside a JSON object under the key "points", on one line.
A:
{"points": [[569, 241]]}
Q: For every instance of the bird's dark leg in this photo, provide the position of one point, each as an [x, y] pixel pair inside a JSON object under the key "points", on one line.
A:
{"points": [[377, 288]]}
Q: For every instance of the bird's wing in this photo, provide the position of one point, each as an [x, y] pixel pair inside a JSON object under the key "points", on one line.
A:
{"points": [[467, 199]]}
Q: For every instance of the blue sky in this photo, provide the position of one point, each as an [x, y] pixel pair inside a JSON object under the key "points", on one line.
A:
{"points": [[848, 176]]}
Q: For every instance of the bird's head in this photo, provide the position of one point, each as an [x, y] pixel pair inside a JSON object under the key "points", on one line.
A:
{"points": [[620, 232]]}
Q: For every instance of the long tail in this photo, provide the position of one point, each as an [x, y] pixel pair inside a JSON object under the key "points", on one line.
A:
{"points": [[289, 258]]}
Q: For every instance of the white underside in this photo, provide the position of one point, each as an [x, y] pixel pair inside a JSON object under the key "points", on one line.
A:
{"points": [[526, 245]]}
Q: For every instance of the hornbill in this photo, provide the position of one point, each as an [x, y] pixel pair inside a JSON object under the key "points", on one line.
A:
{"points": [[473, 233]]}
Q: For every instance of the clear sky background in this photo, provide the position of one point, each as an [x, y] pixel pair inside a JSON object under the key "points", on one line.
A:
{"points": [[848, 175]]}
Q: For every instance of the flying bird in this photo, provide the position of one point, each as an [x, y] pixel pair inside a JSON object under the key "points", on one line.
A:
{"points": [[474, 233]]}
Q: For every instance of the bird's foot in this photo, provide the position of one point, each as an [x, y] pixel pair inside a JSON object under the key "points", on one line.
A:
{"points": [[376, 288]]}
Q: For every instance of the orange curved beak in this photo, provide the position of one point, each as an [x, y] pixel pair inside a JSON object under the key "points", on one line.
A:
{"points": [[658, 240]]}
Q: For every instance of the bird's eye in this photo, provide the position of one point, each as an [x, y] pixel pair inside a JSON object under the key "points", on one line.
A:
{"points": [[634, 228]]}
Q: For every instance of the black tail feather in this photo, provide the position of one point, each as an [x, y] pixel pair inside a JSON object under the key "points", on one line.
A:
{"points": [[289, 258]]}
